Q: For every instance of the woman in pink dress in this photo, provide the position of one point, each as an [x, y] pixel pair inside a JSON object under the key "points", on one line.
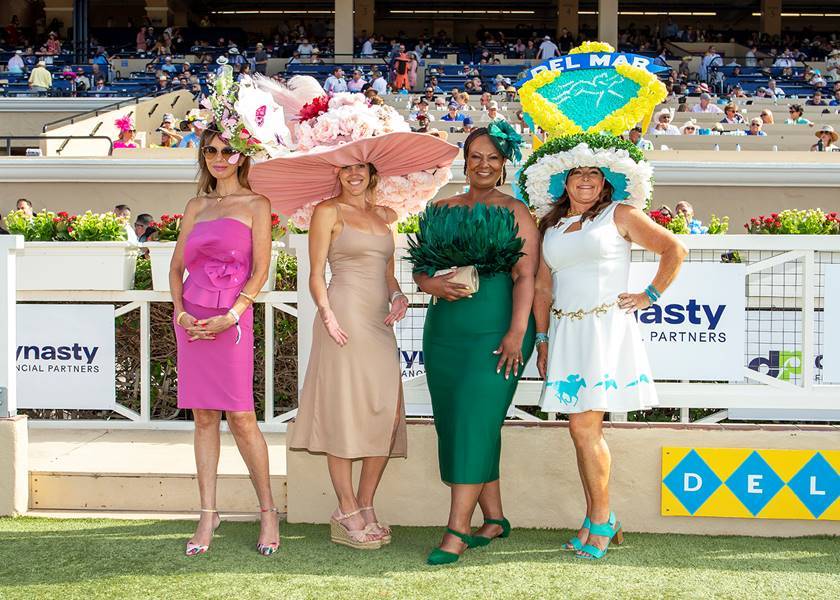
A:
{"points": [[225, 245], [125, 124]]}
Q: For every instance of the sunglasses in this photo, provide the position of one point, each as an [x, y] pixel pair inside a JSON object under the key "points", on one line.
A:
{"points": [[689, 128], [211, 151]]}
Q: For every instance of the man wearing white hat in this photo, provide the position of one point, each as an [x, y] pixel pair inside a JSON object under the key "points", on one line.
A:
{"points": [[222, 61], [16, 63], [662, 124], [548, 49], [493, 112], [40, 79]]}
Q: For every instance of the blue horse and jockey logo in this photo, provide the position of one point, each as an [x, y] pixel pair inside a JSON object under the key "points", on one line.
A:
{"points": [[567, 391]]}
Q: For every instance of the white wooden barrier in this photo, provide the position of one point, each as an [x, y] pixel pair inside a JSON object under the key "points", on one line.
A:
{"points": [[772, 262]]}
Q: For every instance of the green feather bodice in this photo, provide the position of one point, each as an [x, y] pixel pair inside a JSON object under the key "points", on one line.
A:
{"points": [[457, 236]]}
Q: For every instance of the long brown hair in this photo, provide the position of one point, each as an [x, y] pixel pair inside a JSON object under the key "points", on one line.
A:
{"points": [[563, 204], [206, 181], [477, 133]]}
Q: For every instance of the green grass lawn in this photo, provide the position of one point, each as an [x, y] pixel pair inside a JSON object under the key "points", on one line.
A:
{"points": [[63, 559]]}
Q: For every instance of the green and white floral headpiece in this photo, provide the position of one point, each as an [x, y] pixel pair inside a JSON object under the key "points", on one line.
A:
{"points": [[542, 179]]}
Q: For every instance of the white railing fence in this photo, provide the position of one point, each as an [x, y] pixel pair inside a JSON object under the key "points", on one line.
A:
{"points": [[783, 290]]}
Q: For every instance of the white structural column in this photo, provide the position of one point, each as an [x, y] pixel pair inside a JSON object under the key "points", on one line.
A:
{"points": [[10, 245], [608, 21], [343, 30]]}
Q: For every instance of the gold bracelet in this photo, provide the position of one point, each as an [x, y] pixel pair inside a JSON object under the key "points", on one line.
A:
{"points": [[253, 299], [577, 315], [178, 318]]}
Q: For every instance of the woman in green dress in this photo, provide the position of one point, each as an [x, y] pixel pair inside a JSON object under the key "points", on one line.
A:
{"points": [[476, 345]]}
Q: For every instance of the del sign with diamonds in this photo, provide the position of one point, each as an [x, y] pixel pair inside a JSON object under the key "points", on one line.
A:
{"points": [[748, 483]]}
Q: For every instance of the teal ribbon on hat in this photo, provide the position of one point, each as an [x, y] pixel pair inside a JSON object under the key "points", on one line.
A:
{"points": [[506, 139]]}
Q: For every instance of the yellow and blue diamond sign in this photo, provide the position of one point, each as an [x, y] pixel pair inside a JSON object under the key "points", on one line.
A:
{"points": [[747, 483]]}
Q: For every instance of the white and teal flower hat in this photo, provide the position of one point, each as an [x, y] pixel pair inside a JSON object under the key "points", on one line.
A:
{"points": [[542, 179]]}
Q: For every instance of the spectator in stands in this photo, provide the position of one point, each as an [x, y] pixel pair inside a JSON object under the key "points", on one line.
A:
{"points": [[463, 101], [662, 124], [530, 51], [429, 94], [493, 112], [453, 115], [773, 91], [433, 81], [402, 64], [81, 82], [367, 47], [816, 99], [710, 61], [422, 124], [244, 71], [548, 49], [16, 63], [469, 86], [737, 92], [440, 103], [766, 116], [125, 125], [304, 48], [144, 227], [689, 127], [162, 83], [731, 115], [635, 136], [467, 125], [335, 83], [53, 45], [510, 94], [684, 68], [751, 57], [100, 86], [101, 60], [260, 59], [421, 111], [826, 140], [796, 116], [685, 209], [235, 59], [378, 82], [706, 105], [122, 211], [755, 127], [519, 48], [40, 80], [836, 100], [25, 206], [169, 136], [167, 65], [484, 101], [194, 124], [140, 40], [413, 65], [356, 83], [566, 40]]}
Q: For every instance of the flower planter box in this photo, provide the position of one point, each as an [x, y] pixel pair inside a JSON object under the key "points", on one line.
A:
{"points": [[160, 253], [76, 266]]}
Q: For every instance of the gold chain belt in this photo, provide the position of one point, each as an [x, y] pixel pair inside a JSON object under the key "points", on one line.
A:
{"points": [[577, 315]]}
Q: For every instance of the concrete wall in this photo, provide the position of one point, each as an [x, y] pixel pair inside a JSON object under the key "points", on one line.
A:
{"points": [[14, 470], [540, 483]]}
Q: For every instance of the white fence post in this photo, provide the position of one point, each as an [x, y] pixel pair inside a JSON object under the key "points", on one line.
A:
{"points": [[9, 246]]}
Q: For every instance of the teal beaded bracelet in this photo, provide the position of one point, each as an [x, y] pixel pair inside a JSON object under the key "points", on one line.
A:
{"points": [[652, 293], [540, 338]]}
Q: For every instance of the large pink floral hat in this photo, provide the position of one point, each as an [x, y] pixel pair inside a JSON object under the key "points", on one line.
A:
{"points": [[331, 132]]}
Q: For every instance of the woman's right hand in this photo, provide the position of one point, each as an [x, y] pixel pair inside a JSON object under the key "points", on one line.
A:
{"points": [[338, 335], [542, 359], [190, 325], [443, 287]]}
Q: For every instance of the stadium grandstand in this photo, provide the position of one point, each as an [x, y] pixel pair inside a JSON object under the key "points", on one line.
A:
{"points": [[751, 76]]}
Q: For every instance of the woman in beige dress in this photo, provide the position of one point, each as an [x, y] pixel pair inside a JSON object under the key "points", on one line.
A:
{"points": [[351, 406]]}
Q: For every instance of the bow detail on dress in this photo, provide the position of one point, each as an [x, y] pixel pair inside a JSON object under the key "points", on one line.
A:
{"points": [[226, 271], [506, 139]]}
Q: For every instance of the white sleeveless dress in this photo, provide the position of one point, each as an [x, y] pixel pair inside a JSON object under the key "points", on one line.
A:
{"points": [[598, 361]]}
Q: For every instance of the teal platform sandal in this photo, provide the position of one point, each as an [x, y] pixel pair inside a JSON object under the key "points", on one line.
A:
{"points": [[439, 556], [481, 540], [611, 529], [576, 544]]}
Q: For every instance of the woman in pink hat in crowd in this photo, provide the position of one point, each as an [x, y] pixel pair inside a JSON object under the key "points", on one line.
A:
{"points": [[358, 168], [225, 244], [126, 135]]}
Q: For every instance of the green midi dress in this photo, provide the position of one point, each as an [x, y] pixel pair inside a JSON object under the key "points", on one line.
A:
{"points": [[469, 399]]}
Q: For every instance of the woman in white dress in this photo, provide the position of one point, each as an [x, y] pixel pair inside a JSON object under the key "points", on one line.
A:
{"points": [[590, 350]]}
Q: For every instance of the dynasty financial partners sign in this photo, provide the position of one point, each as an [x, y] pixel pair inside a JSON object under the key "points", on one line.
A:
{"points": [[66, 356]]}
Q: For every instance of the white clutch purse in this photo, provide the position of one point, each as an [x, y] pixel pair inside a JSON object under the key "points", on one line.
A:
{"points": [[466, 275]]}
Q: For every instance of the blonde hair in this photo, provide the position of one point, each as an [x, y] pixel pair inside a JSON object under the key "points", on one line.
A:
{"points": [[206, 181]]}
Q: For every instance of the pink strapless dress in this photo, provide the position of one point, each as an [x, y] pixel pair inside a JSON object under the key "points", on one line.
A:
{"points": [[217, 374]]}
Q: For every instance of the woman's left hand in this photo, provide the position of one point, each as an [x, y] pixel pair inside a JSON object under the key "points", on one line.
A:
{"points": [[632, 302], [217, 324], [398, 309], [510, 354]]}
